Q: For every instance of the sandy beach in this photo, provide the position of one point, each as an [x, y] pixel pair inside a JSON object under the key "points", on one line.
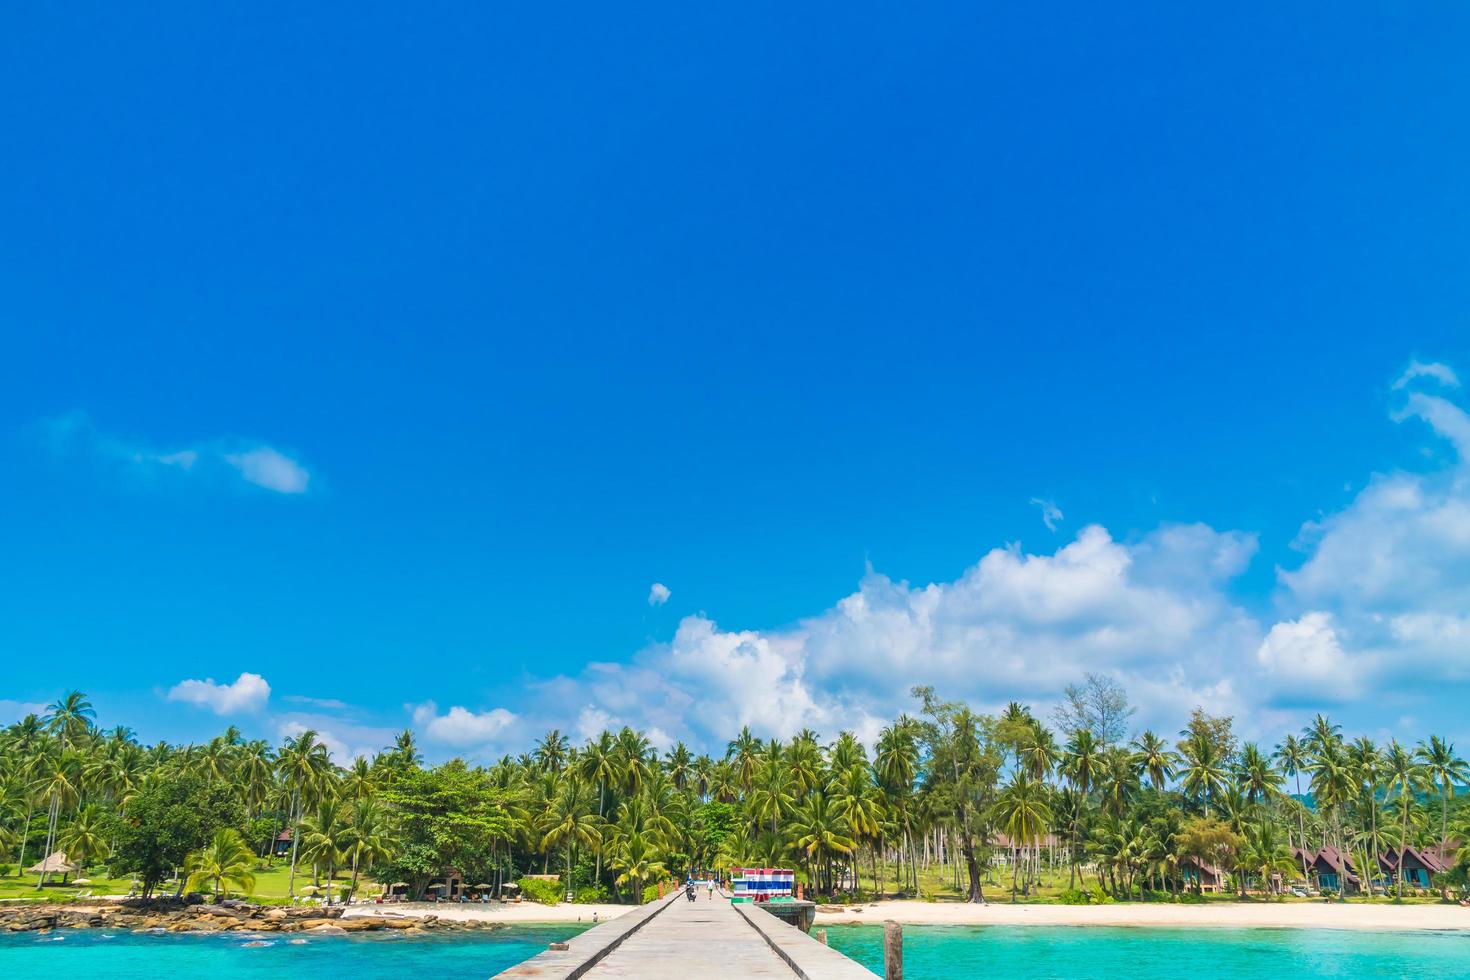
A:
{"points": [[523, 913], [1221, 915]]}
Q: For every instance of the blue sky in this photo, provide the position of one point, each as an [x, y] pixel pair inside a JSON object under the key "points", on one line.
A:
{"points": [[393, 355]]}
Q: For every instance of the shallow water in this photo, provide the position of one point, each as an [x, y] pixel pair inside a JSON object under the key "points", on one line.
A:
{"points": [[1040, 953], [930, 953], [132, 956]]}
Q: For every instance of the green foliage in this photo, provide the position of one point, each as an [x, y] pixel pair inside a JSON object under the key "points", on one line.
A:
{"points": [[6, 869], [448, 817], [650, 893], [167, 820], [542, 891], [591, 895], [1084, 896]]}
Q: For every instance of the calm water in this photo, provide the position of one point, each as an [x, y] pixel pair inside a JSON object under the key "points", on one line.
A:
{"points": [[931, 953], [1036, 953], [130, 956]]}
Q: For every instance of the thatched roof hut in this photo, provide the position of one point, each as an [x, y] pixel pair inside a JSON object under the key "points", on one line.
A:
{"points": [[56, 864]]}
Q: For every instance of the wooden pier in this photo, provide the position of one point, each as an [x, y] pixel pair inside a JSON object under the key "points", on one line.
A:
{"points": [[678, 939]]}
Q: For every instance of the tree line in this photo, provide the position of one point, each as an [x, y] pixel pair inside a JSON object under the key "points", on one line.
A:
{"points": [[944, 798]]}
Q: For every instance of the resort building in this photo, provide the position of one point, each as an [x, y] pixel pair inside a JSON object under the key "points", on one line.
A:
{"points": [[1202, 876], [1333, 869], [1420, 865]]}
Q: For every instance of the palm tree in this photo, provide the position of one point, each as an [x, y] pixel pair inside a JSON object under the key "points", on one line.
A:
{"points": [[1205, 772], [1156, 758], [773, 793], [819, 832], [859, 805], [304, 764], [1023, 813], [324, 836], [637, 858], [743, 750], [1447, 769], [85, 840], [567, 823], [1406, 777], [551, 752], [1334, 786], [1292, 755], [58, 786], [1367, 765], [1264, 853], [227, 859], [70, 717], [1258, 779]]}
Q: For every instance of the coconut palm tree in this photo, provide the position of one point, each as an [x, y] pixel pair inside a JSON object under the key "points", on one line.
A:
{"points": [[1334, 786], [1024, 814], [85, 840], [1206, 773], [1292, 755], [1255, 774], [567, 823], [1156, 758], [772, 794], [1367, 765], [304, 766], [1444, 767], [226, 860], [1404, 777], [638, 859], [1264, 853], [744, 750], [58, 785], [324, 836], [819, 832]]}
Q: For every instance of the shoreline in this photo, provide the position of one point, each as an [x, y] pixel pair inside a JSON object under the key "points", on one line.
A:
{"points": [[525, 913], [1285, 915]]}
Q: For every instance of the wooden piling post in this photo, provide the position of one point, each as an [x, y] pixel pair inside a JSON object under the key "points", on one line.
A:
{"points": [[892, 950], [822, 936]]}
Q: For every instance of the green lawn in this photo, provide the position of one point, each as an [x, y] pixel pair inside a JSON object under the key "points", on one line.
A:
{"points": [[271, 885]]}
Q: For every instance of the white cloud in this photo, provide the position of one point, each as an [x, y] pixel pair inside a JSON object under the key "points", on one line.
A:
{"points": [[13, 711], [1014, 625], [1433, 370], [658, 594], [1051, 514], [1305, 659], [326, 704], [224, 461], [265, 467], [460, 726], [249, 692]]}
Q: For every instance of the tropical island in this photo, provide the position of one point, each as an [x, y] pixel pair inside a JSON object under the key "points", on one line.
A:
{"points": [[948, 809]]}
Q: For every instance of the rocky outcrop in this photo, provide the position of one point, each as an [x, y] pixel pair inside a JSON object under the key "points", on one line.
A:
{"points": [[223, 917]]}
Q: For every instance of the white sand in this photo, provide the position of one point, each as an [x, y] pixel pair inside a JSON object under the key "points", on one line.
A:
{"points": [[523, 913], [1278, 915]]}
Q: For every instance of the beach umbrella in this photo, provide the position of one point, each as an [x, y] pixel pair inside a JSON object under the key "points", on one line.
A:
{"points": [[482, 885], [82, 881], [311, 889], [399, 884]]}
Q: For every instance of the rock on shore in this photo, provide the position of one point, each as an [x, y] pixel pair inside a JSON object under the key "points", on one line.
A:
{"points": [[225, 917]]}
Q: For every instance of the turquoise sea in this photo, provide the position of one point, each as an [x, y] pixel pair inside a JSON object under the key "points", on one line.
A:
{"points": [[931, 953], [133, 956], [1039, 953]]}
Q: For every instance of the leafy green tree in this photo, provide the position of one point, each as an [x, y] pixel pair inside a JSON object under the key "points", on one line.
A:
{"points": [[451, 816], [166, 821]]}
